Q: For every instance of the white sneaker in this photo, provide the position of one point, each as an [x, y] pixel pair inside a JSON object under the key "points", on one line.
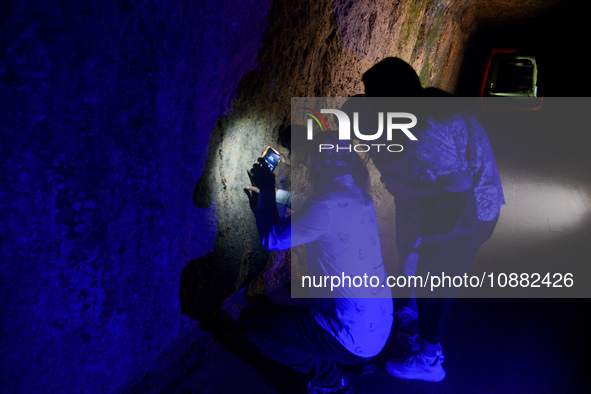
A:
{"points": [[418, 366]]}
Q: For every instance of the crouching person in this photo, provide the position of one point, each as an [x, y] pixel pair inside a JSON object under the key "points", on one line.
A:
{"points": [[340, 325]]}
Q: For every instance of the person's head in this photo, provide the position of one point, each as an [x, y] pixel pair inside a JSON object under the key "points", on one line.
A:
{"points": [[284, 144], [392, 77], [331, 163], [293, 145]]}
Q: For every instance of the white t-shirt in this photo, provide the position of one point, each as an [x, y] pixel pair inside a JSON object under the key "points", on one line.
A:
{"points": [[338, 225]]}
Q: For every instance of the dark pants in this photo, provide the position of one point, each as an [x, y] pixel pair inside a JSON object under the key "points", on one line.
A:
{"points": [[290, 335], [453, 257]]}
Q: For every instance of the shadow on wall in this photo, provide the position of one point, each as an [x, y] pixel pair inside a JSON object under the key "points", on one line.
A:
{"points": [[237, 140]]}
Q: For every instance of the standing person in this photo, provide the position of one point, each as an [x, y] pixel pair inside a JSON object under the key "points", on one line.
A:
{"points": [[338, 225], [448, 197]]}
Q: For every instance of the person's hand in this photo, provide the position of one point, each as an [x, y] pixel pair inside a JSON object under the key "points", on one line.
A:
{"points": [[260, 177], [252, 192]]}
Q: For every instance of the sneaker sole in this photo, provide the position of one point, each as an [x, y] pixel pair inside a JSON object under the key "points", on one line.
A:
{"points": [[427, 377]]}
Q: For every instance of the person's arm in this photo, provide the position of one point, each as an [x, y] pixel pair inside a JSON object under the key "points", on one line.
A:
{"points": [[274, 232], [308, 224], [292, 200], [445, 183], [283, 197], [441, 154], [456, 182]]}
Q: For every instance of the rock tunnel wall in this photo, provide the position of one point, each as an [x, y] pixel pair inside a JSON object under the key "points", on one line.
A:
{"points": [[107, 109], [126, 131]]}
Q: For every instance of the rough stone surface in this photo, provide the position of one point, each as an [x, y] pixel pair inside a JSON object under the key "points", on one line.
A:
{"points": [[106, 111], [126, 131]]}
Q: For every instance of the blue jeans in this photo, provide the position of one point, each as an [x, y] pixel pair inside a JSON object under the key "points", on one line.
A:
{"points": [[452, 256], [291, 336]]}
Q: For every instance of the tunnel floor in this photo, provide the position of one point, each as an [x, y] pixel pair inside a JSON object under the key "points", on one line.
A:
{"points": [[493, 346]]}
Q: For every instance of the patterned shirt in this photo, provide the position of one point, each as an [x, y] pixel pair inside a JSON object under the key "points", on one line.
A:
{"points": [[338, 225], [459, 143], [448, 145]]}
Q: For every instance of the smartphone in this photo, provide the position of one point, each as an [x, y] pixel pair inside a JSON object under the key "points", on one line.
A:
{"points": [[271, 156]]}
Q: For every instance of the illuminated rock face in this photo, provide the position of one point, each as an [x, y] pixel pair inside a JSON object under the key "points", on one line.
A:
{"points": [[126, 133]]}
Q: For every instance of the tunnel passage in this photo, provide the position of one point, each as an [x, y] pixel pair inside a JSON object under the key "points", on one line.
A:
{"points": [[109, 110], [327, 58], [318, 49], [552, 36]]}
